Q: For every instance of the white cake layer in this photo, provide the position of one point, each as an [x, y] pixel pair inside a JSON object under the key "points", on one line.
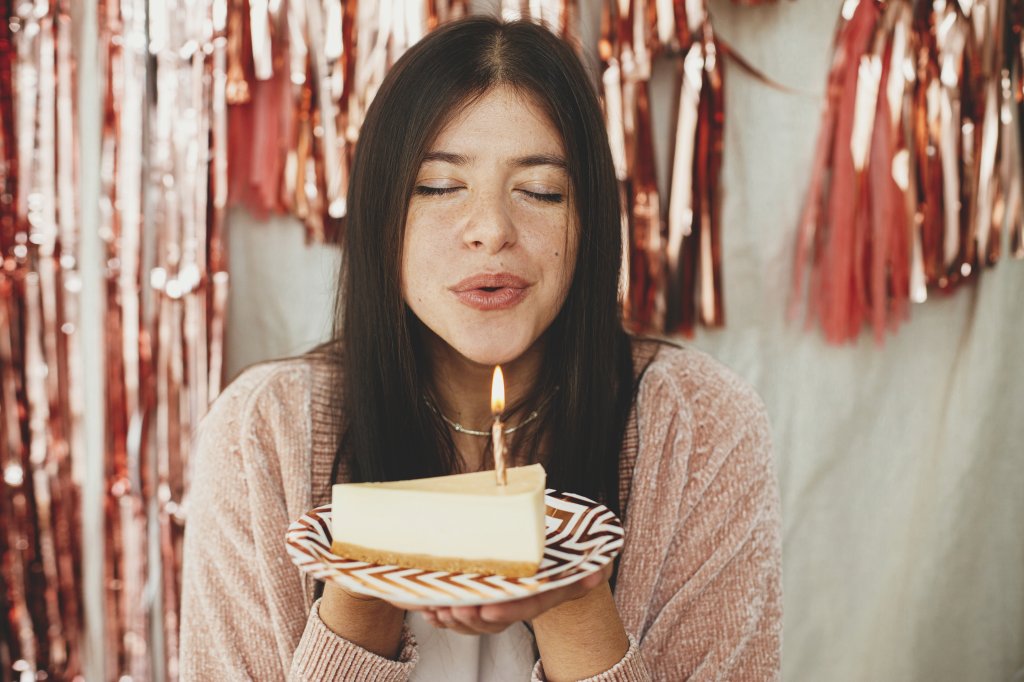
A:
{"points": [[466, 516]]}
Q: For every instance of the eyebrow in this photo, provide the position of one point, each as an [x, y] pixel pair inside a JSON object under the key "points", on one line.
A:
{"points": [[446, 157], [538, 160], [528, 161]]}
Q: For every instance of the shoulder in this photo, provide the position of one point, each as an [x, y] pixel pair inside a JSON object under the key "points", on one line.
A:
{"points": [[266, 395], [263, 434], [696, 418], [703, 445], [693, 382]]}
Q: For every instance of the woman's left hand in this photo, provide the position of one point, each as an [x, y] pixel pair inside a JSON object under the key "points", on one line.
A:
{"points": [[494, 618]]}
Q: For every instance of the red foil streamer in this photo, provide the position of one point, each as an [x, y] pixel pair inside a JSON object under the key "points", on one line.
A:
{"points": [[917, 174]]}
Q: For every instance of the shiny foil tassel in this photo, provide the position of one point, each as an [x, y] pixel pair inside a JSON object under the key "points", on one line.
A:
{"points": [[300, 76], [917, 175], [1012, 82], [673, 278], [122, 27], [40, 452], [560, 16], [164, 191]]}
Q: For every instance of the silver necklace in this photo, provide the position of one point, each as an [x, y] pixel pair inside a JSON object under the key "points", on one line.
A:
{"points": [[456, 426]]}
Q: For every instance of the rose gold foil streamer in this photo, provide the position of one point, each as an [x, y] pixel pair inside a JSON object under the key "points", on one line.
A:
{"points": [[164, 194], [1012, 96], [123, 45], [40, 527], [917, 176], [561, 16], [674, 254], [299, 83]]}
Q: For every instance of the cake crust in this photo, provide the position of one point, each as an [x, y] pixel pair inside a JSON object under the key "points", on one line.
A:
{"points": [[509, 569]]}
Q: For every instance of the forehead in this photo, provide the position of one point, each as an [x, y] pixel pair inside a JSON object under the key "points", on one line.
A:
{"points": [[502, 120]]}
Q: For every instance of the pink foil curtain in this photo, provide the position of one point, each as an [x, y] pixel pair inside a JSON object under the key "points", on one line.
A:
{"points": [[917, 175], [40, 406], [163, 197]]}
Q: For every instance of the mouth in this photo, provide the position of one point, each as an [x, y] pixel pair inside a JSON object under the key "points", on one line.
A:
{"points": [[491, 291]]}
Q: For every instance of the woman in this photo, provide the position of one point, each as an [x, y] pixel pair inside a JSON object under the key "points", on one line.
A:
{"points": [[484, 229]]}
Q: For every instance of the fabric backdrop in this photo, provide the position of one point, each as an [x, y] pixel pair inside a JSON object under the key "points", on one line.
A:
{"points": [[901, 467]]}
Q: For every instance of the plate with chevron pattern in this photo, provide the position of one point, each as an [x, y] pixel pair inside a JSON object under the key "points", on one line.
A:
{"points": [[582, 537]]}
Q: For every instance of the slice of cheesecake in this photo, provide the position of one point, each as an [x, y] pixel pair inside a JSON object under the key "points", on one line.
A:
{"points": [[463, 522]]}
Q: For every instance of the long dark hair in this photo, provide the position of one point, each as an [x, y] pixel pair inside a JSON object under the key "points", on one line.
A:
{"points": [[388, 430]]}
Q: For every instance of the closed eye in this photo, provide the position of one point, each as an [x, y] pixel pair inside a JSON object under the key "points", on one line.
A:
{"points": [[424, 190], [549, 198]]}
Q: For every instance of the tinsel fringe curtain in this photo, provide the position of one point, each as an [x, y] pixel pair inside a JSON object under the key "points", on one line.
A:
{"points": [[40, 411], [163, 195], [916, 181], [917, 186]]}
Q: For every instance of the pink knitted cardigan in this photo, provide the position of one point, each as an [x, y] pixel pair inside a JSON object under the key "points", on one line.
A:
{"points": [[698, 587]]}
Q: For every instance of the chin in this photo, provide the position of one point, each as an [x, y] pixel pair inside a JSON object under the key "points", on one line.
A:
{"points": [[491, 357], [492, 351]]}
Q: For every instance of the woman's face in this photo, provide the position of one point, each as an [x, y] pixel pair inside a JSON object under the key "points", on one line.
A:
{"points": [[490, 239]]}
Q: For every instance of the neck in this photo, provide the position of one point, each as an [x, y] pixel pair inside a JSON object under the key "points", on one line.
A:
{"points": [[462, 388]]}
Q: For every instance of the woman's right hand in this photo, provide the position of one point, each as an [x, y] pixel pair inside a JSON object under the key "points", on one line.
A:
{"points": [[368, 622]]}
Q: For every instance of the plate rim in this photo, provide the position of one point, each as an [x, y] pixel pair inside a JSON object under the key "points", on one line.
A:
{"points": [[312, 562]]}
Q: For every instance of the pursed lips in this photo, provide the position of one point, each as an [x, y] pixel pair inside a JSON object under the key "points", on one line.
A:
{"points": [[496, 291]]}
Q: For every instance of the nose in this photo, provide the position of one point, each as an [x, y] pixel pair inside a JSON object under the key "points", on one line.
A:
{"points": [[489, 226]]}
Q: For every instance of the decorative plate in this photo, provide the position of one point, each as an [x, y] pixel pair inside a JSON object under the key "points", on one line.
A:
{"points": [[582, 537]]}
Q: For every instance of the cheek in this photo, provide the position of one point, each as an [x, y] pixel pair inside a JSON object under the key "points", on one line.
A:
{"points": [[565, 254], [426, 261], [559, 263], [412, 271], [416, 257]]}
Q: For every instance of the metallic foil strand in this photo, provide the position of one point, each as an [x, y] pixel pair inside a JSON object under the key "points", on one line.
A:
{"points": [[674, 252], [917, 176], [40, 458], [301, 87]]}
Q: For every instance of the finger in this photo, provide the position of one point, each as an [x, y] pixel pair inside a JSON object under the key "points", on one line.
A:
{"points": [[469, 617], [448, 621], [521, 609], [530, 607]]}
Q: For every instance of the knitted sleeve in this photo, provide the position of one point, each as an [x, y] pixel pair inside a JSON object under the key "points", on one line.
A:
{"points": [[715, 612], [244, 609], [705, 509], [700, 577]]}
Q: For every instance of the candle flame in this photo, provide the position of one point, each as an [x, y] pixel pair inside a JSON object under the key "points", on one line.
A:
{"points": [[497, 392]]}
